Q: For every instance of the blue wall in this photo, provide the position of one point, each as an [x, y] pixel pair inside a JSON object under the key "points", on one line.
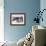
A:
{"points": [[30, 7], [43, 6]]}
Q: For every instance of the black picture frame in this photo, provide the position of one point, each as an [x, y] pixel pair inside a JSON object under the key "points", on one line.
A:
{"points": [[17, 19]]}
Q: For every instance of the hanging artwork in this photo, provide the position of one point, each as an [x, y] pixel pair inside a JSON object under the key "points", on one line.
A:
{"points": [[17, 19]]}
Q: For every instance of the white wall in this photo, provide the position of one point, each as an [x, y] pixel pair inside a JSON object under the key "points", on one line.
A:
{"points": [[1, 20]]}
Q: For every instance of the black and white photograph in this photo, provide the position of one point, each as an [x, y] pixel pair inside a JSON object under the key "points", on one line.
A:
{"points": [[17, 18]]}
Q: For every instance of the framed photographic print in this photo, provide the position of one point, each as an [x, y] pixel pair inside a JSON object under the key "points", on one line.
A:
{"points": [[17, 19]]}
